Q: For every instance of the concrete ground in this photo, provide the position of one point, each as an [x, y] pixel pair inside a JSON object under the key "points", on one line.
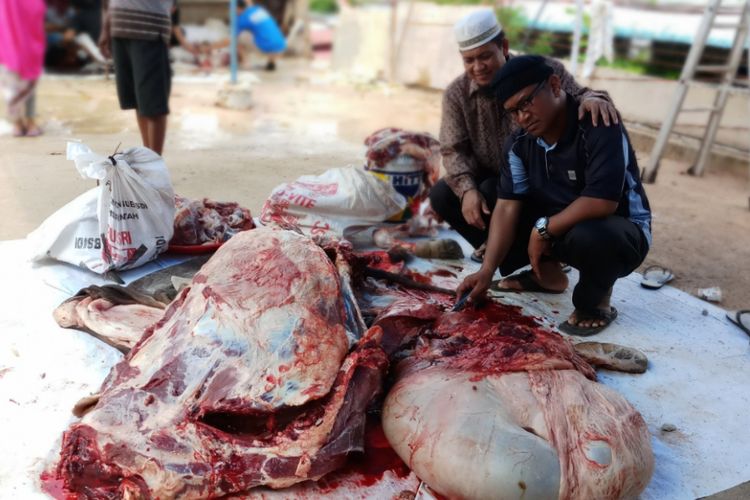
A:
{"points": [[305, 121], [739, 492]]}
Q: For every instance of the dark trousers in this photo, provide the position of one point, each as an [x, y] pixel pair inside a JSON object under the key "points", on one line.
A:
{"points": [[602, 250], [446, 204]]}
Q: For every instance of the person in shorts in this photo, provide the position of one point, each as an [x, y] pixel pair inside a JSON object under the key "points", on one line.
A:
{"points": [[136, 35]]}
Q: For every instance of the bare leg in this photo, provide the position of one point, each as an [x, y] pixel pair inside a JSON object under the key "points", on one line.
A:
{"points": [[244, 58], [157, 132], [19, 129], [143, 128], [21, 104], [551, 278], [16, 115], [32, 129], [244, 49]]}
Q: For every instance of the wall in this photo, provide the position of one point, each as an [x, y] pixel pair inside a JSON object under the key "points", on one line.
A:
{"points": [[197, 11]]}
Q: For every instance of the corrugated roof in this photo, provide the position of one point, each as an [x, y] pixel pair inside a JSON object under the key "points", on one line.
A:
{"points": [[629, 22]]}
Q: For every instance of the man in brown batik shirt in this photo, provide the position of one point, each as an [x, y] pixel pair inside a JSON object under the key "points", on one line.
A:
{"points": [[474, 127]]}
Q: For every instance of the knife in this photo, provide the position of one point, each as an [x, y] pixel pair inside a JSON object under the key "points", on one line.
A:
{"points": [[461, 302]]}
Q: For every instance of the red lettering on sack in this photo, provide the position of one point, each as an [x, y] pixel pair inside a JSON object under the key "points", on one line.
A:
{"points": [[320, 189], [282, 206], [121, 256], [320, 228], [119, 237], [303, 201]]}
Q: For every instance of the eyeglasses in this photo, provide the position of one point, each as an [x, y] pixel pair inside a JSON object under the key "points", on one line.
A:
{"points": [[524, 105]]}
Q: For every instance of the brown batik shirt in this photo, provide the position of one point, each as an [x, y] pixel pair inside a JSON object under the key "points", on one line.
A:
{"points": [[474, 127]]}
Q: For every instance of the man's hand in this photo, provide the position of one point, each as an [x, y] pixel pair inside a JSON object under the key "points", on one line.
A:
{"points": [[599, 108], [538, 246], [431, 215], [473, 206], [477, 284], [105, 38]]}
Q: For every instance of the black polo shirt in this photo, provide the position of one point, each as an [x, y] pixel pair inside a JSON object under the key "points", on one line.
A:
{"points": [[597, 162]]}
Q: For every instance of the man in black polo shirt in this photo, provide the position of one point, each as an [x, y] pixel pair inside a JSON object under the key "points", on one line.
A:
{"points": [[567, 191]]}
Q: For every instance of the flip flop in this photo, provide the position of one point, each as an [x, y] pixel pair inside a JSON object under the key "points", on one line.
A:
{"points": [[655, 277], [585, 331], [478, 254], [740, 318], [527, 284]]}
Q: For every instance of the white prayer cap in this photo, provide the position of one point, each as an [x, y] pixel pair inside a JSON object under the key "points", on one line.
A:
{"points": [[476, 29]]}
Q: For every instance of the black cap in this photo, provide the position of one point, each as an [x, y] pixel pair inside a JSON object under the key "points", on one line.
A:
{"points": [[517, 73]]}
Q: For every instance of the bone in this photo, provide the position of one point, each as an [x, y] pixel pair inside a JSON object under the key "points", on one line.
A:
{"points": [[613, 357]]}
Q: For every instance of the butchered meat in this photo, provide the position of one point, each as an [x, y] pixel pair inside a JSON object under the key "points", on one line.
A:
{"points": [[489, 405], [260, 372], [246, 380], [200, 222]]}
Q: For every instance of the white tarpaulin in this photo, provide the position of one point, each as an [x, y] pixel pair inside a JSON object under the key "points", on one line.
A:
{"points": [[697, 376]]}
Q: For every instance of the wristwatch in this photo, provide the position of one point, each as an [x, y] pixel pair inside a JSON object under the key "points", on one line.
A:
{"points": [[541, 228]]}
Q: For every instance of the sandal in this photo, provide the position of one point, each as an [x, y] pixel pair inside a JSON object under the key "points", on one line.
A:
{"points": [[584, 331], [740, 318], [524, 278], [478, 254], [655, 277]]}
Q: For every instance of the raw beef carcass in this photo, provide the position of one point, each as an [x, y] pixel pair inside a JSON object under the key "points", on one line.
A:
{"points": [[250, 380], [247, 380], [489, 405], [208, 221]]}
